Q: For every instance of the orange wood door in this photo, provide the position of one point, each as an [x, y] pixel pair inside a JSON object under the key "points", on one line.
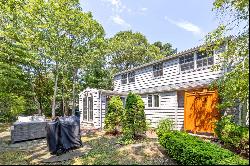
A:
{"points": [[200, 111]]}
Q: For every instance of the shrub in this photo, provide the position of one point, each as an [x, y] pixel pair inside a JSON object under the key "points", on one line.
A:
{"points": [[165, 125], [231, 134], [133, 119], [113, 116], [190, 150]]}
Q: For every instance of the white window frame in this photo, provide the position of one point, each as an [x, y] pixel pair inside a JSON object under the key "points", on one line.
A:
{"points": [[123, 79], [204, 60], [187, 63], [153, 100], [89, 105], [131, 75], [160, 70]]}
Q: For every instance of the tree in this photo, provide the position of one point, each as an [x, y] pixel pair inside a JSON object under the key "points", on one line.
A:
{"points": [[234, 85], [98, 75], [57, 39], [128, 50], [165, 49], [134, 118]]}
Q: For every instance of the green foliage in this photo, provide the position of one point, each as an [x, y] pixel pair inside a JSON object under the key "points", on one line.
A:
{"points": [[128, 49], [231, 134], [113, 115], [134, 118], [43, 46], [165, 49], [233, 87], [165, 125], [190, 150], [97, 75], [11, 106]]}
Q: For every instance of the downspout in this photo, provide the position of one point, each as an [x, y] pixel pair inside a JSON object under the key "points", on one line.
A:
{"points": [[100, 100]]}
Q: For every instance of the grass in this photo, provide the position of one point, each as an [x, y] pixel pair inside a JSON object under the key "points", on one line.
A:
{"points": [[4, 127], [105, 151]]}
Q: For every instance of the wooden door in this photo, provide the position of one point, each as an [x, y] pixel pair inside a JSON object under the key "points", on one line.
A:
{"points": [[200, 111]]}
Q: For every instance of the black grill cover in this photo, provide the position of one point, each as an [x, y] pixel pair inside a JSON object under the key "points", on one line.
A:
{"points": [[52, 129], [63, 134]]}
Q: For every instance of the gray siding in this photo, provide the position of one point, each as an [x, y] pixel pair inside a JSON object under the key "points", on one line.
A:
{"points": [[168, 109]]}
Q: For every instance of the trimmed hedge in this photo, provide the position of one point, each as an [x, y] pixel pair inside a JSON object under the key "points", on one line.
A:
{"points": [[190, 150], [113, 115]]}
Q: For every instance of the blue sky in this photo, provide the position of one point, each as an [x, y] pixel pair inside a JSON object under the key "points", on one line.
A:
{"points": [[183, 23]]}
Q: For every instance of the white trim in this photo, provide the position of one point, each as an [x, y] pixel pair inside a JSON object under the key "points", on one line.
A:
{"points": [[153, 101]]}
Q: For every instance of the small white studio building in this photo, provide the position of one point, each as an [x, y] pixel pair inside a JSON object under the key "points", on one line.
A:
{"points": [[166, 87]]}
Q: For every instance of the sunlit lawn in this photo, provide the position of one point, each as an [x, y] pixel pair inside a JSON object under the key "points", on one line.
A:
{"points": [[105, 150]]}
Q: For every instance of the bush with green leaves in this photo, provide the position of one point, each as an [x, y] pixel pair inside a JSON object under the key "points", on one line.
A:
{"points": [[11, 106], [189, 150], [231, 134], [165, 125], [113, 115], [133, 119]]}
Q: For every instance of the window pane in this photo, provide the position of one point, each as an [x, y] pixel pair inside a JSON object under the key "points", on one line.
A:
{"points": [[149, 100], [201, 55], [84, 108], [156, 100], [123, 101], [211, 60], [199, 63], [131, 77], [124, 79], [181, 60], [90, 109], [158, 70], [187, 62], [191, 65], [205, 62]]}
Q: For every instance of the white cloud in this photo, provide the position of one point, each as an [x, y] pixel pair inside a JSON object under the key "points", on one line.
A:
{"points": [[117, 6], [186, 25], [144, 9], [118, 20]]}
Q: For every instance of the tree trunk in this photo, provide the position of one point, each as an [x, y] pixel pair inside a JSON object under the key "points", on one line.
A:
{"points": [[39, 110], [63, 102], [74, 82], [55, 92]]}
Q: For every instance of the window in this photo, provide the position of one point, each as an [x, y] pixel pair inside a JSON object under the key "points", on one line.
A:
{"points": [[90, 109], [158, 70], [180, 99], [156, 101], [150, 103], [153, 101], [187, 62], [131, 77], [84, 103], [123, 101], [221, 49], [204, 60], [124, 78]]}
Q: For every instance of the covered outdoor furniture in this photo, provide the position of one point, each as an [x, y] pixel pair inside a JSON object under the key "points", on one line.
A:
{"points": [[28, 128], [63, 134]]}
